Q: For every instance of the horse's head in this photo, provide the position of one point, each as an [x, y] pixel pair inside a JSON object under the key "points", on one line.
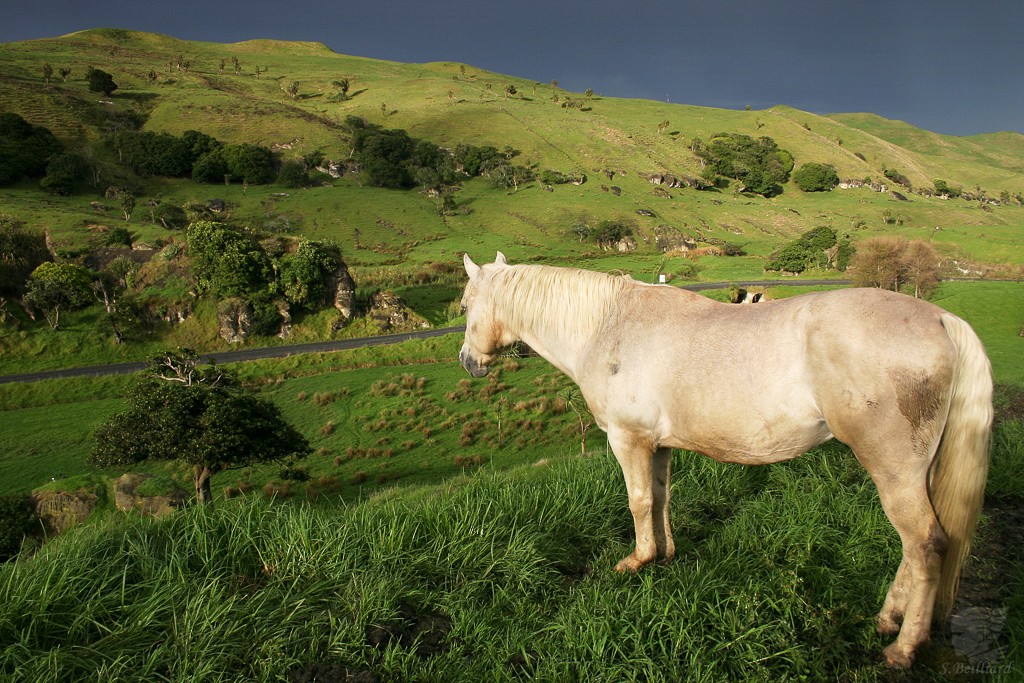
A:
{"points": [[486, 336]]}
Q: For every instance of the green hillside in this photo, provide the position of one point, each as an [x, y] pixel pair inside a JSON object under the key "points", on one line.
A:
{"points": [[614, 142]]}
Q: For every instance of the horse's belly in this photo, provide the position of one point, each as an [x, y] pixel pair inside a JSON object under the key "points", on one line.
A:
{"points": [[751, 444]]}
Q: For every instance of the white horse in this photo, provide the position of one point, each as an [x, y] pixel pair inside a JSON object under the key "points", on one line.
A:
{"points": [[905, 384]]}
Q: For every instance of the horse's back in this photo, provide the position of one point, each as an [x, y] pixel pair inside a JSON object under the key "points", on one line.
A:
{"points": [[763, 383]]}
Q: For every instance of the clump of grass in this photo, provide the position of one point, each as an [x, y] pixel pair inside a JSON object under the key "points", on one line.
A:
{"points": [[278, 489], [384, 388], [323, 485], [323, 398], [327, 429]]}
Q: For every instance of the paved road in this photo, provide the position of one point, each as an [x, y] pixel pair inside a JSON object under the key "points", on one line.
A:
{"points": [[237, 356], [341, 344]]}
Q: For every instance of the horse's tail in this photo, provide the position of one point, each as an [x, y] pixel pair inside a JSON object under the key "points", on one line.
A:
{"points": [[960, 468]]}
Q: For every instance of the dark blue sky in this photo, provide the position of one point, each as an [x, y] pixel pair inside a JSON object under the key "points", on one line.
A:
{"points": [[950, 66]]}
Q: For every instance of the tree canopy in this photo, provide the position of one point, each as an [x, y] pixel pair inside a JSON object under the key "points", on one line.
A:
{"points": [[101, 81], [225, 261], [760, 165], [56, 287], [198, 415], [25, 150], [814, 177], [816, 248]]}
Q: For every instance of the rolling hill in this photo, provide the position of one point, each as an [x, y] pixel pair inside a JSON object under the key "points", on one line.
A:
{"points": [[238, 93]]}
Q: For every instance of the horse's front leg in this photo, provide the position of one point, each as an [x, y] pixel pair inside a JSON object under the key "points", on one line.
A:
{"points": [[646, 470]]}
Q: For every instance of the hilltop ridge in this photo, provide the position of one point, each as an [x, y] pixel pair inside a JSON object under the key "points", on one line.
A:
{"points": [[239, 92]]}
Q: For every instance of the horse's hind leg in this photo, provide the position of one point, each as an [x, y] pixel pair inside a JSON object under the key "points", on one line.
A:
{"points": [[910, 602], [646, 470]]}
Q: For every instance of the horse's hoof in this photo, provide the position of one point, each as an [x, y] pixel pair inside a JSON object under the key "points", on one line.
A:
{"points": [[628, 564], [896, 658]]}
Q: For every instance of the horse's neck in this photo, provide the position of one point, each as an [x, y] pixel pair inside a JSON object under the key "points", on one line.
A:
{"points": [[559, 318]]}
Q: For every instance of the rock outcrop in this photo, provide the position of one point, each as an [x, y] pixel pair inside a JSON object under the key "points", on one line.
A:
{"points": [[342, 290], [393, 315], [61, 510], [234, 320]]}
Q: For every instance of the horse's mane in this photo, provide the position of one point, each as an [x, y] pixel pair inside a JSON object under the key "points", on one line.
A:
{"points": [[568, 302]]}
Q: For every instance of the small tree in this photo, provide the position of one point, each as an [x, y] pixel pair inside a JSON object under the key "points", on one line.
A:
{"points": [[922, 267], [879, 262], [64, 172], [47, 72], [56, 287], [303, 275], [101, 81], [64, 73], [198, 415]]}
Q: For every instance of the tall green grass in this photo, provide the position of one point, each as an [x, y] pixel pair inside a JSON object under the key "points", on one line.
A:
{"points": [[500, 576]]}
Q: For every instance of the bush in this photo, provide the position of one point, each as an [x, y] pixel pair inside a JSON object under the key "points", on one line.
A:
{"points": [[897, 177], [25, 150], [943, 188], [249, 163], [210, 168], [16, 520], [100, 81], [293, 174], [63, 173], [155, 154], [611, 231], [170, 216], [812, 177], [812, 249]]}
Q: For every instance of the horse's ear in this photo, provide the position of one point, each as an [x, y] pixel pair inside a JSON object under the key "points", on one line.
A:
{"points": [[471, 268], [500, 259]]}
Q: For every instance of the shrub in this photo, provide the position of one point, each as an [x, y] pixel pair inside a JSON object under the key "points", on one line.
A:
{"points": [[293, 174], [897, 177], [813, 177], [210, 168], [170, 216], [812, 249], [100, 81], [249, 163], [611, 231], [63, 173]]}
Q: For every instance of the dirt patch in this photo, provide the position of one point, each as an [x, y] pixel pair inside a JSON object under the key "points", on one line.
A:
{"points": [[426, 633]]}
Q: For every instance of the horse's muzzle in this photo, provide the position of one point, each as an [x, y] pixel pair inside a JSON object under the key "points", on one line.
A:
{"points": [[472, 367]]}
